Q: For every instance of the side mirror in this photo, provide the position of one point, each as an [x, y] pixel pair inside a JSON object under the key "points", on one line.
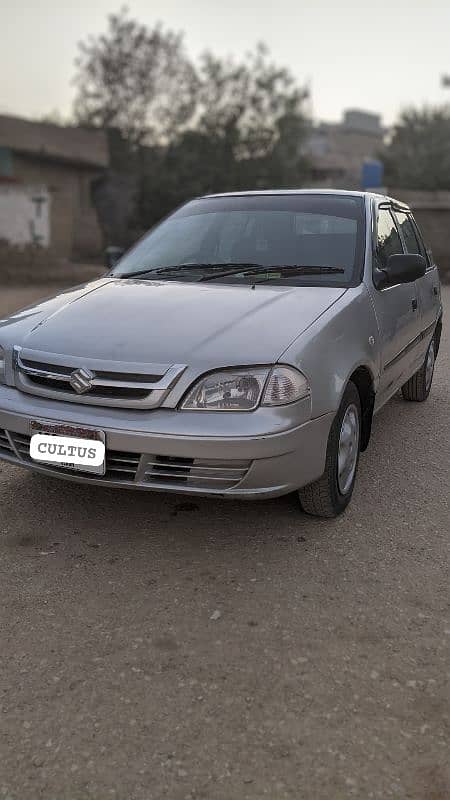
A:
{"points": [[404, 268], [113, 255]]}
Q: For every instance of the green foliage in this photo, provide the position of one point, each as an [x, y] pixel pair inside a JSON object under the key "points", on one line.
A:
{"points": [[190, 129], [54, 117], [246, 102], [418, 155], [249, 133], [136, 79]]}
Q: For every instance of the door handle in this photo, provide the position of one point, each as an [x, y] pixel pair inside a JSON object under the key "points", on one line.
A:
{"points": [[414, 304]]}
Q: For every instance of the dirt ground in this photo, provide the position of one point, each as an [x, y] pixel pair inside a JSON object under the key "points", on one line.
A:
{"points": [[153, 647]]}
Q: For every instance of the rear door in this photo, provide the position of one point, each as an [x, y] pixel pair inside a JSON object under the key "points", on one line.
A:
{"points": [[397, 311], [428, 287]]}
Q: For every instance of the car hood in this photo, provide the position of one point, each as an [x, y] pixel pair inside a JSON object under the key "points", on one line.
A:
{"points": [[171, 322]]}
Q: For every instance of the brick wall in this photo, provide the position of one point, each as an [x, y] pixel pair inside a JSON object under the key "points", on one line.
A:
{"points": [[33, 265]]}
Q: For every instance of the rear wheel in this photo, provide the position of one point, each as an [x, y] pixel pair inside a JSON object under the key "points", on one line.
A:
{"points": [[331, 494], [418, 387]]}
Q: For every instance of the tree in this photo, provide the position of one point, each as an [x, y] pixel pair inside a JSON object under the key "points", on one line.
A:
{"points": [[135, 79], [185, 129], [54, 117], [247, 103], [248, 131], [418, 154]]}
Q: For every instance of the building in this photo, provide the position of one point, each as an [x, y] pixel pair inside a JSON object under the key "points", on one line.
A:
{"points": [[47, 173], [24, 215], [338, 150]]}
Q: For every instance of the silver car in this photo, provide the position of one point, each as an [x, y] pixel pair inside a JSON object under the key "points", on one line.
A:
{"points": [[240, 349]]}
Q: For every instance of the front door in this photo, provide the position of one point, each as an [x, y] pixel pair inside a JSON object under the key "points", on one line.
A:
{"points": [[398, 314]]}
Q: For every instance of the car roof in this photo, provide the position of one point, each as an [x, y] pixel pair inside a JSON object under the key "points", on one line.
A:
{"points": [[344, 192]]}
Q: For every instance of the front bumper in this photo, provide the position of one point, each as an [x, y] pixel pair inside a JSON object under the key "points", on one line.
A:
{"points": [[258, 454]]}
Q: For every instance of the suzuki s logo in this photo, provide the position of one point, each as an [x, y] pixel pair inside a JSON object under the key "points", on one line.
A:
{"points": [[81, 380]]}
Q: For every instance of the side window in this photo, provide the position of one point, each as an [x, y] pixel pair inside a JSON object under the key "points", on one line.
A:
{"points": [[407, 230], [388, 240]]}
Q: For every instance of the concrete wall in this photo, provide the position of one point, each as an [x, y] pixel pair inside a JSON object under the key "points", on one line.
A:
{"points": [[25, 215], [75, 231]]}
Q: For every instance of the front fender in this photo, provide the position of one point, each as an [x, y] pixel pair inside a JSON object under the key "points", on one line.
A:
{"points": [[344, 339]]}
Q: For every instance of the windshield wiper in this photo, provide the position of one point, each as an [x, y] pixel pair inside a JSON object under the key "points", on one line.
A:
{"points": [[244, 268], [181, 267], [273, 271]]}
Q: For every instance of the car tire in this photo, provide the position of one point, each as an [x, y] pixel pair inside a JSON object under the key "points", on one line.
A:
{"points": [[330, 495], [417, 389]]}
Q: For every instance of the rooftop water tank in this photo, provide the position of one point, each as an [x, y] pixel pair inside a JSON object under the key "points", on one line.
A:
{"points": [[372, 174]]}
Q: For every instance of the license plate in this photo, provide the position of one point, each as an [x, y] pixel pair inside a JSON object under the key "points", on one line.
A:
{"points": [[68, 447]]}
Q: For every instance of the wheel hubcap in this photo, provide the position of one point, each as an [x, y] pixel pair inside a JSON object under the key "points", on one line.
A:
{"points": [[348, 448], [429, 369]]}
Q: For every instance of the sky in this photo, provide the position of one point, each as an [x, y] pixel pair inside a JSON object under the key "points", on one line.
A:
{"points": [[382, 55]]}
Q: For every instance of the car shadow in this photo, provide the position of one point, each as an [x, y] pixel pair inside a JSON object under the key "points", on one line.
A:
{"points": [[49, 509]]}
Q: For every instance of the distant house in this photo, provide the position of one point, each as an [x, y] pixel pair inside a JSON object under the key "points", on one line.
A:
{"points": [[338, 150], [47, 174]]}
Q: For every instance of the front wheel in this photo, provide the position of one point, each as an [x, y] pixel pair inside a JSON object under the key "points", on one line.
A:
{"points": [[331, 494], [418, 387]]}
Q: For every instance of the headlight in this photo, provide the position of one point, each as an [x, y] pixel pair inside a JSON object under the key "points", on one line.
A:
{"points": [[2, 365], [244, 389]]}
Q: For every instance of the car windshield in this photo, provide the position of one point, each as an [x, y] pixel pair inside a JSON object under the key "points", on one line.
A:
{"points": [[312, 239]]}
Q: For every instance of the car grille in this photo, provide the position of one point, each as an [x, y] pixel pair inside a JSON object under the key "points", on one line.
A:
{"points": [[6, 447], [163, 472], [195, 472], [50, 375], [55, 385]]}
